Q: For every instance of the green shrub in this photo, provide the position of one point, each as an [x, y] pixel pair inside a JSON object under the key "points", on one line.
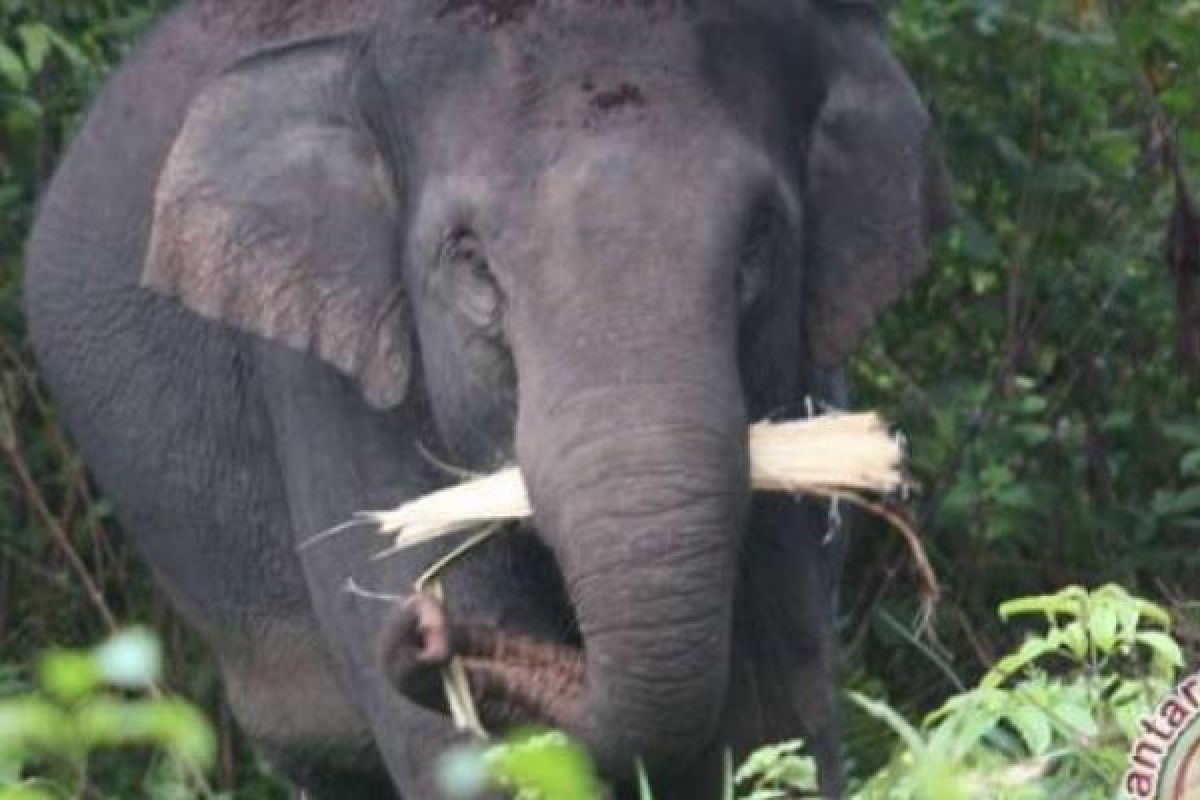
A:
{"points": [[1055, 718], [84, 702]]}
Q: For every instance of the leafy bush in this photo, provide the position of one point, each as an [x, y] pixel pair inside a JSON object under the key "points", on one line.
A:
{"points": [[86, 701], [1055, 718]]}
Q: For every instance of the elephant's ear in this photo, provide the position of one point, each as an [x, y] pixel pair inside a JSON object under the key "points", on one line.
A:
{"points": [[275, 213], [876, 185]]}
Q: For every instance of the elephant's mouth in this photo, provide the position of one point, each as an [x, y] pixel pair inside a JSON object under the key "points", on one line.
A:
{"points": [[514, 679]]}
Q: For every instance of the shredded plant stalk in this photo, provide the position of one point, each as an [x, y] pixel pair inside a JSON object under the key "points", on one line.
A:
{"points": [[842, 453], [848, 457]]}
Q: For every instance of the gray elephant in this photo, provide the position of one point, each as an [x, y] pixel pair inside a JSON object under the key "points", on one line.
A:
{"points": [[299, 246]]}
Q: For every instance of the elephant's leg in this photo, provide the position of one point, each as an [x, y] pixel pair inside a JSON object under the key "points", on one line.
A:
{"points": [[784, 655], [411, 739], [285, 696], [333, 784], [338, 457]]}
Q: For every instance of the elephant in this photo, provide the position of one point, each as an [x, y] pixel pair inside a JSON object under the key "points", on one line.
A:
{"points": [[302, 256]]}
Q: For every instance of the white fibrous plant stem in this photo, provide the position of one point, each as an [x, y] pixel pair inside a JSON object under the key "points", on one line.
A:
{"points": [[846, 456], [831, 455]]}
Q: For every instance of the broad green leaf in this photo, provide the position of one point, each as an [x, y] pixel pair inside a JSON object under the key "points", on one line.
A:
{"points": [[1102, 626], [1183, 433], [1070, 601], [68, 675], [69, 49], [1184, 502], [1075, 719], [1012, 664], [1034, 728], [1189, 465], [961, 733], [1154, 612], [12, 69], [1075, 638], [761, 760], [35, 39], [1165, 649], [643, 780], [886, 714], [547, 764]]}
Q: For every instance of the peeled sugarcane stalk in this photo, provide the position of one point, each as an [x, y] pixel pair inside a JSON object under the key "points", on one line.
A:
{"points": [[837, 455]]}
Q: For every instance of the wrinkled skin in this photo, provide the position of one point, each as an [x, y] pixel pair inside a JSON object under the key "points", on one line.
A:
{"points": [[299, 246]]}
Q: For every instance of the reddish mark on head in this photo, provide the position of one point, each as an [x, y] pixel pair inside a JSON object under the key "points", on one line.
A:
{"points": [[489, 13], [624, 95]]}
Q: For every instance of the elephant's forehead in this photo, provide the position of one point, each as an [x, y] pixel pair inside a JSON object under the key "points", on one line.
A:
{"points": [[544, 41], [500, 14], [586, 65], [490, 106]]}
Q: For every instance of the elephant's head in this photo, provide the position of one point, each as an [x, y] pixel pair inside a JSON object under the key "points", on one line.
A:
{"points": [[593, 237]]}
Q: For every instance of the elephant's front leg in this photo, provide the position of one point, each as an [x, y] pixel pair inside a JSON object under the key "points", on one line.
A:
{"points": [[785, 646], [338, 457]]}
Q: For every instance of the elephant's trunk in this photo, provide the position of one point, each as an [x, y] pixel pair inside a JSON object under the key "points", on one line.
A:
{"points": [[641, 493], [631, 430]]}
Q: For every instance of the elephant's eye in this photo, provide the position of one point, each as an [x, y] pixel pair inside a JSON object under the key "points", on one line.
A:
{"points": [[477, 294]]}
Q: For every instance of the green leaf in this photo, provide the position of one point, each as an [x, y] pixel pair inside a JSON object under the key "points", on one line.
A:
{"points": [[1182, 432], [35, 39], [12, 70], [643, 780], [1102, 627], [1075, 638], [960, 733], [1117, 421], [1181, 503], [1069, 601], [1075, 719], [30, 725], [67, 675], [1033, 404], [759, 762], [886, 714], [182, 731], [1163, 646], [1012, 664], [1154, 611], [1033, 433], [1189, 465], [69, 49], [1033, 727], [548, 764]]}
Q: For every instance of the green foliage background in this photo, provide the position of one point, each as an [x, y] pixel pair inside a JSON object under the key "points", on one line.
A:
{"points": [[1040, 370]]}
